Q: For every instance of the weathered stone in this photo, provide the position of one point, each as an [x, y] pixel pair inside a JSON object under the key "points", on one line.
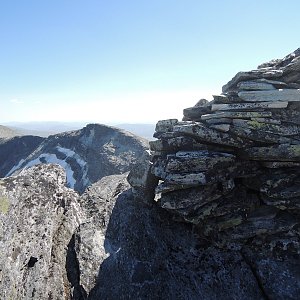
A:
{"points": [[202, 103], [236, 170], [262, 81], [183, 143], [254, 86], [285, 95], [274, 153], [249, 106], [271, 181], [221, 99], [280, 164], [196, 161], [282, 193], [142, 180], [217, 121], [221, 127], [208, 135], [266, 120], [290, 115], [261, 136], [191, 198], [284, 202], [255, 74], [284, 70], [193, 113], [237, 115], [285, 130], [36, 224], [126, 250], [165, 125], [264, 221], [164, 187], [164, 135], [275, 262]]}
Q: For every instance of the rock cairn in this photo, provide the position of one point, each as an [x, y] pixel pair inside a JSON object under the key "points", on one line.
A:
{"points": [[231, 166]]}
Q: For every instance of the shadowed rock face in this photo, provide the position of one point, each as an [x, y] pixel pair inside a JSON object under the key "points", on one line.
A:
{"points": [[129, 250], [86, 155], [15, 150]]}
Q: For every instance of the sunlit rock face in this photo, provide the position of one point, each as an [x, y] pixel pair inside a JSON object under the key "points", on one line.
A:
{"points": [[86, 155], [38, 216]]}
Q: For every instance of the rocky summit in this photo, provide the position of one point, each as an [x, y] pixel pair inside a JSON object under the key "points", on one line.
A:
{"points": [[211, 211], [231, 168]]}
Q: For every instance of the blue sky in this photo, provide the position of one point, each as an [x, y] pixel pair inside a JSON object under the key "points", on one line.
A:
{"points": [[131, 61]]}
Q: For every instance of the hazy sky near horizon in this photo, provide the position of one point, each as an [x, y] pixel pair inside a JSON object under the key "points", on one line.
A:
{"points": [[131, 61]]}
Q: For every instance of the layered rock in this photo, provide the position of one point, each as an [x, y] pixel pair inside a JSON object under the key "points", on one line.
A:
{"points": [[231, 168], [128, 250]]}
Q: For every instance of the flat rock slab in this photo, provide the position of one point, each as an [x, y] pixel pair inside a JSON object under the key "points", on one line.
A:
{"points": [[272, 95], [184, 162], [237, 115], [274, 153], [196, 111], [190, 198], [261, 136], [285, 130], [255, 85], [208, 135], [254, 74], [250, 106], [265, 224], [261, 84], [165, 125]]}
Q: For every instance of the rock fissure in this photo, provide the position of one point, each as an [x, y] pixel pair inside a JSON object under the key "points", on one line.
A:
{"points": [[73, 272]]}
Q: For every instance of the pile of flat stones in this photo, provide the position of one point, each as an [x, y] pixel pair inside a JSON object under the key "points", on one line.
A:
{"points": [[232, 165]]}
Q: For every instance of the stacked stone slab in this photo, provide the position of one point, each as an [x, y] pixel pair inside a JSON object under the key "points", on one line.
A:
{"points": [[231, 166]]}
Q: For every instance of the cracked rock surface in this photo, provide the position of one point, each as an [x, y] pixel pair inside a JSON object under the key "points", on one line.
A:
{"points": [[38, 216]]}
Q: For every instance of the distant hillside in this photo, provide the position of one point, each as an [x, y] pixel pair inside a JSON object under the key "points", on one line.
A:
{"points": [[6, 132], [44, 129], [86, 155]]}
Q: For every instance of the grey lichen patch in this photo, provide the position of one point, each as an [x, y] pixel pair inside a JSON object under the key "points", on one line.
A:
{"points": [[4, 204]]}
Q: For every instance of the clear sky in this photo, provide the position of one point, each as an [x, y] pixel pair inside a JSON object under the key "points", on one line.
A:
{"points": [[131, 61]]}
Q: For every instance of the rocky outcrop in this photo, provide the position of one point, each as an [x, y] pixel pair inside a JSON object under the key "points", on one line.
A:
{"points": [[86, 155], [128, 250], [38, 216], [231, 168]]}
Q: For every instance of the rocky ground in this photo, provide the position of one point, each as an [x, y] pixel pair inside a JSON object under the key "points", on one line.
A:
{"points": [[211, 212]]}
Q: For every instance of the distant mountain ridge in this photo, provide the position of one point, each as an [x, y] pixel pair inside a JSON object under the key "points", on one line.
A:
{"points": [[6, 132], [86, 155], [44, 129]]}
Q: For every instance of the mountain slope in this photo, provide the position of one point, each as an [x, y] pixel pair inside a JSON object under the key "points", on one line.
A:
{"points": [[87, 154], [6, 132], [14, 151]]}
